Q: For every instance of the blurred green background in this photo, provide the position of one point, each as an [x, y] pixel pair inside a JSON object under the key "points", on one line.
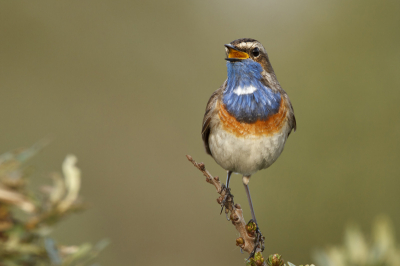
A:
{"points": [[124, 84]]}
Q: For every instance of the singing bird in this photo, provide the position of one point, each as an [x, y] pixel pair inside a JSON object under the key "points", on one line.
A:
{"points": [[249, 118]]}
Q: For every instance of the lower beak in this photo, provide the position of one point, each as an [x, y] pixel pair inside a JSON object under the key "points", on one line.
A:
{"points": [[234, 55]]}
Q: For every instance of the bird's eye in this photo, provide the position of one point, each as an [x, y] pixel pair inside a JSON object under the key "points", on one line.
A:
{"points": [[255, 52]]}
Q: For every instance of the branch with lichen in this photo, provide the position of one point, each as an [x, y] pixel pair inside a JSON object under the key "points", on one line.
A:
{"points": [[250, 240]]}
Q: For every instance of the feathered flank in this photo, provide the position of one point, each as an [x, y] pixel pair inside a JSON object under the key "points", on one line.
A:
{"points": [[210, 112]]}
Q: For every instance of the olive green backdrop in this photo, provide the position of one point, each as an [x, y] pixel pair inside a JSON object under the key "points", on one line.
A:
{"points": [[124, 84]]}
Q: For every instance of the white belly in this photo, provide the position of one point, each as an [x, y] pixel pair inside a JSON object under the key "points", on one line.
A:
{"points": [[245, 155]]}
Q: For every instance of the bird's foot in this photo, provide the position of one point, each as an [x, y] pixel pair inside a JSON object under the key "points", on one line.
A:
{"points": [[228, 197], [253, 229]]}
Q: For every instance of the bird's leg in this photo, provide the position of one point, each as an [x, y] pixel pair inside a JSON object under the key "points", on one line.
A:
{"points": [[228, 177], [259, 241], [246, 180]]}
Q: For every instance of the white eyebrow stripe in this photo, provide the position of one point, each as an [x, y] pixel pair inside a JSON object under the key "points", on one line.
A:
{"points": [[245, 45], [244, 90]]}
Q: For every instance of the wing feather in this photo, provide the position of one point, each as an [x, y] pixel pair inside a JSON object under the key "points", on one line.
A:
{"points": [[210, 112], [292, 118]]}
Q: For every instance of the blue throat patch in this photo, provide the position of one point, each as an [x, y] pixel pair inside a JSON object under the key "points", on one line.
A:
{"points": [[245, 97]]}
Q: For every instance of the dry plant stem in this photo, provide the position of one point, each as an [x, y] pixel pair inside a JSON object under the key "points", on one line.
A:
{"points": [[248, 241]]}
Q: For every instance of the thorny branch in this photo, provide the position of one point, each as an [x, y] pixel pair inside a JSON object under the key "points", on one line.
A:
{"points": [[250, 239]]}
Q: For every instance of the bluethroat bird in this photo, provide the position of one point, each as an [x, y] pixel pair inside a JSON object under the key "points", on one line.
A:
{"points": [[249, 118]]}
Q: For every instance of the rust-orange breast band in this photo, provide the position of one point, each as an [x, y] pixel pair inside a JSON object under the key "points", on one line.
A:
{"points": [[273, 124]]}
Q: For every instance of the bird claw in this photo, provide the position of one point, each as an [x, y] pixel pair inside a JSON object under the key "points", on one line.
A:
{"points": [[223, 202], [252, 253], [227, 218], [259, 241]]}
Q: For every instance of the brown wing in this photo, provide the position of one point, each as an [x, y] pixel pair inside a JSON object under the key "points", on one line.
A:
{"points": [[210, 111], [292, 118]]}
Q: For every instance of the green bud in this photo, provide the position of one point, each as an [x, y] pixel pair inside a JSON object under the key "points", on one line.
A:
{"points": [[275, 260], [251, 227], [239, 241]]}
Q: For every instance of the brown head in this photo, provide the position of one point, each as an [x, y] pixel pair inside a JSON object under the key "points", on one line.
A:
{"points": [[246, 48]]}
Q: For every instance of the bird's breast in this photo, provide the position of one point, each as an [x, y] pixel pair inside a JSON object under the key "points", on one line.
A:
{"points": [[269, 126]]}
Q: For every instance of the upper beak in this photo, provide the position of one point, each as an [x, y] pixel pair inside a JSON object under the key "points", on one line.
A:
{"points": [[234, 54]]}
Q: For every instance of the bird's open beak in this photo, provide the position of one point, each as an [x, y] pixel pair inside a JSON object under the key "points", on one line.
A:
{"points": [[234, 54]]}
